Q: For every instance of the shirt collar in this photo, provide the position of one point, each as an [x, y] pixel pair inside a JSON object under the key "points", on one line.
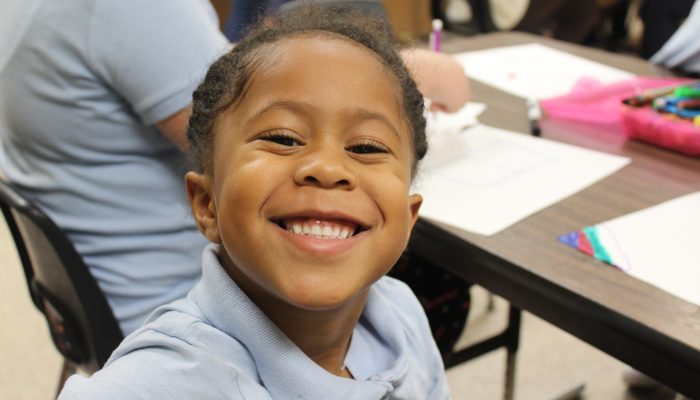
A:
{"points": [[284, 369]]}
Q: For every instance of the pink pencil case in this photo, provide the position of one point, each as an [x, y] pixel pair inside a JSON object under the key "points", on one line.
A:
{"points": [[650, 126], [592, 102]]}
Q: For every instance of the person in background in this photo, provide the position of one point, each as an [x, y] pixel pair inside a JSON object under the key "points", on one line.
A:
{"points": [[94, 102], [661, 20], [682, 50], [306, 138], [94, 99], [244, 13], [568, 20]]}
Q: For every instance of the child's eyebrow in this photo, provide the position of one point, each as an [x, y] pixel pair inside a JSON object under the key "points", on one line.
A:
{"points": [[304, 108], [364, 114]]}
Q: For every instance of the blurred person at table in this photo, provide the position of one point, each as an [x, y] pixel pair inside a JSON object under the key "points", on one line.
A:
{"points": [[682, 50], [568, 20], [94, 99], [243, 13], [661, 20]]}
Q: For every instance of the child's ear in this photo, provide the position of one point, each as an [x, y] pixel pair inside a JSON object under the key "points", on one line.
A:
{"points": [[414, 203], [200, 196]]}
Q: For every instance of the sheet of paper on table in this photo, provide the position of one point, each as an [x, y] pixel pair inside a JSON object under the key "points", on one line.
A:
{"points": [[454, 122], [485, 179], [534, 70], [658, 245]]}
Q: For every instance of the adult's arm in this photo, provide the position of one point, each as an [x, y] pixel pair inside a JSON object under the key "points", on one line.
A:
{"points": [[175, 126], [683, 48], [154, 54]]}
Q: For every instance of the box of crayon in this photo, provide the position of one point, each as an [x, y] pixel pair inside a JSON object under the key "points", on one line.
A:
{"points": [[667, 117]]}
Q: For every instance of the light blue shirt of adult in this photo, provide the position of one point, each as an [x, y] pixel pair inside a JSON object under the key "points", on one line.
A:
{"points": [[82, 83], [682, 50], [217, 344]]}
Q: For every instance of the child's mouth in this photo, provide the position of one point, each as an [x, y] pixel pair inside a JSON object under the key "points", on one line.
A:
{"points": [[321, 228]]}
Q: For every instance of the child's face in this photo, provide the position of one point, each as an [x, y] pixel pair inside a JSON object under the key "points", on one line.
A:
{"points": [[317, 149]]}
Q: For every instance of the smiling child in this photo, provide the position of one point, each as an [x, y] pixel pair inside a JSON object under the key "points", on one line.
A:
{"points": [[307, 136]]}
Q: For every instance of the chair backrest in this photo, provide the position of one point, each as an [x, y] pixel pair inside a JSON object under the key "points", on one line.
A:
{"points": [[82, 325]]}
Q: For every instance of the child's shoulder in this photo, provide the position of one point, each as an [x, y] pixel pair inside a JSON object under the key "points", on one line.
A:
{"points": [[182, 328], [396, 293], [178, 354], [403, 304]]}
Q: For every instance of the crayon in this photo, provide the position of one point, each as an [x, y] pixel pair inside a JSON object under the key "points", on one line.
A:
{"points": [[687, 91], [689, 104], [648, 96]]}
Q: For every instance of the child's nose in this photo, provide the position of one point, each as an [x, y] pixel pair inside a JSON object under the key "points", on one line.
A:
{"points": [[325, 168]]}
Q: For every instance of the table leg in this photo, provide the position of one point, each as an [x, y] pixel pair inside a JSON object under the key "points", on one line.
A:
{"points": [[512, 334]]}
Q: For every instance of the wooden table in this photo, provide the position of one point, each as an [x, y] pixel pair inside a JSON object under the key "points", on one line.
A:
{"points": [[645, 327]]}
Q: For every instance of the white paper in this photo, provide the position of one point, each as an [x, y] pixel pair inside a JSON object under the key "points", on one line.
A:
{"points": [[444, 128], [492, 178], [534, 70], [454, 122], [659, 245]]}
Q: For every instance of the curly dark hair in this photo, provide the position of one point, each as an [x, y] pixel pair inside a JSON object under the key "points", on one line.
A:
{"points": [[227, 79]]}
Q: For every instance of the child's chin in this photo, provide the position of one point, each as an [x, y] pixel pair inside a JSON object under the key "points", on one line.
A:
{"points": [[319, 302]]}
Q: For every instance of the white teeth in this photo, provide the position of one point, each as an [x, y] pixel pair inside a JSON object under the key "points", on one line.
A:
{"points": [[327, 231], [320, 229]]}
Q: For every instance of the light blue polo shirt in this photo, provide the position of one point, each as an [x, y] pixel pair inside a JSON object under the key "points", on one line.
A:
{"points": [[217, 344], [79, 96]]}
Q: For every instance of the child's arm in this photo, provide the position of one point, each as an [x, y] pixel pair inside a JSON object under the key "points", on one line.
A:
{"points": [[439, 77]]}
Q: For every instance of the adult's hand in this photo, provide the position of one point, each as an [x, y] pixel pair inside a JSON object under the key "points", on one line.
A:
{"points": [[439, 77]]}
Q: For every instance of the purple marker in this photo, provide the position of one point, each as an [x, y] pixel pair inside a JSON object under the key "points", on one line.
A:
{"points": [[436, 36]]}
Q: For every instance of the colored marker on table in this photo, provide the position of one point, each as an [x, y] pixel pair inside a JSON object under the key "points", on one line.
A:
{"points": [[435, 38]]}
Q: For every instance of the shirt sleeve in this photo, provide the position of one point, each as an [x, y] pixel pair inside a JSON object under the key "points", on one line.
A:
{"points": [[81, 388], [154, 365], [682, 50], [154, 53]]}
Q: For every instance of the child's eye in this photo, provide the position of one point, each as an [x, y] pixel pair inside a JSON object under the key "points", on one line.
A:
{"points": [[367, 147], [280, 137]]}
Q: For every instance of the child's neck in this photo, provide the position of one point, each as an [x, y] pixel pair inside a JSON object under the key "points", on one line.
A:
{"points": [[324, 336]]}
